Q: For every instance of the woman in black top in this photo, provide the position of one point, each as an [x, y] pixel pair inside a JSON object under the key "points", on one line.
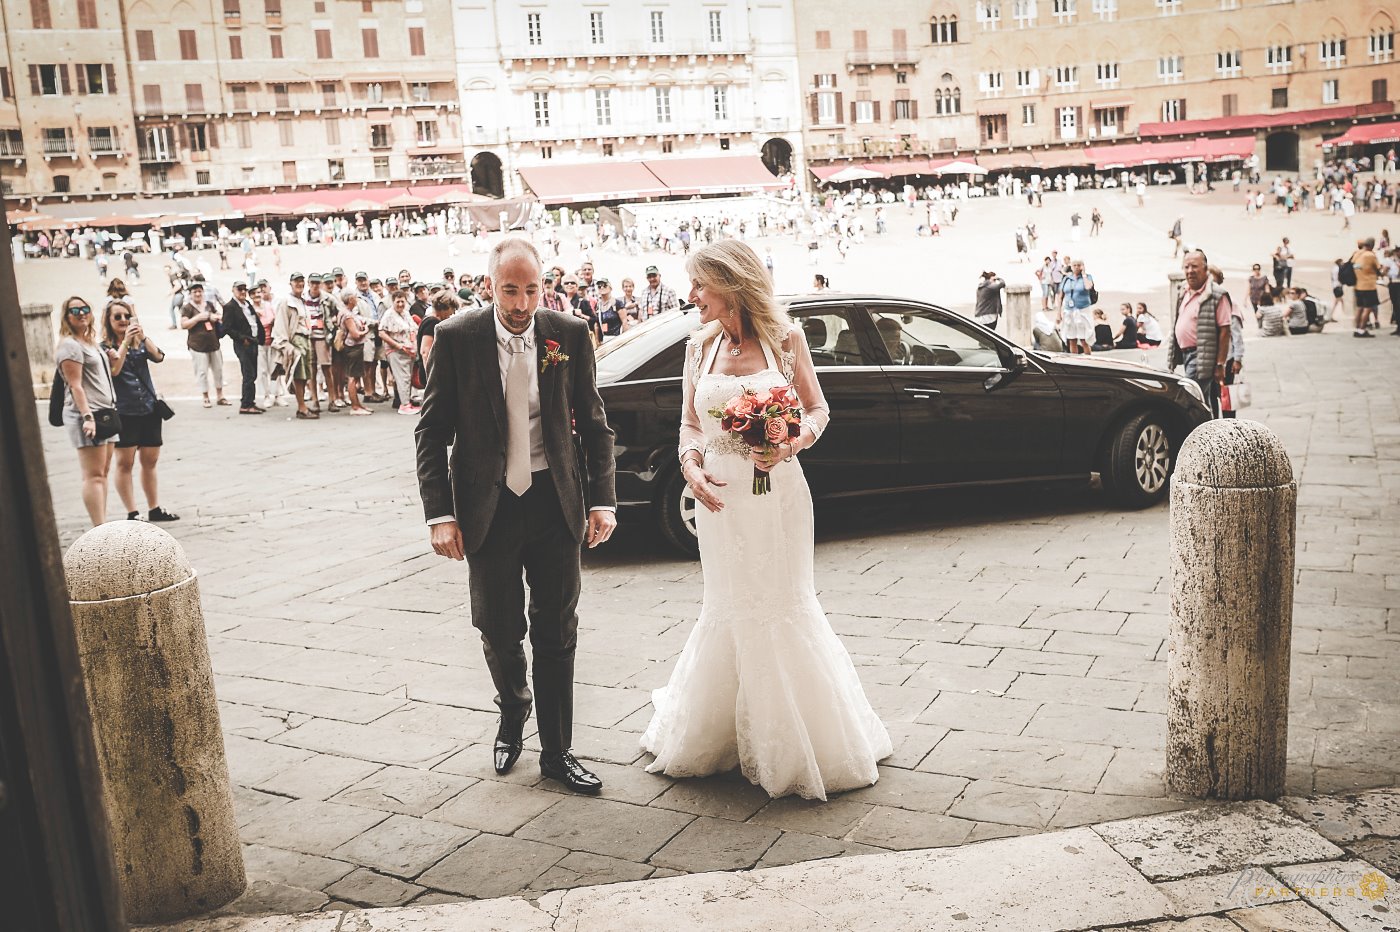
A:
{"points": [[1127, 335], [131, 353], [1103, 333]]}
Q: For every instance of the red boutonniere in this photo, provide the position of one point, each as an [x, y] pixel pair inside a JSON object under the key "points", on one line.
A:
{"points": [[552, 355]]}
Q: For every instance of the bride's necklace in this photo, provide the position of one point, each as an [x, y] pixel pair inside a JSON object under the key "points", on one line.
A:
{"points": [[735, 348]]}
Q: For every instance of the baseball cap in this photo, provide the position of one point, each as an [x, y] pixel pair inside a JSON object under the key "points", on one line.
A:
{"points": [[240, 285], [376, 281], [602, 282], [417, 285], [653, 270], [337, 271], [447, 270], [261, 282], [297, 276], [360, 275], [314, 277]]}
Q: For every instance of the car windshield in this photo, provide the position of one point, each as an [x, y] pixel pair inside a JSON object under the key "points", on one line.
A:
{"points": [[620, 356]]}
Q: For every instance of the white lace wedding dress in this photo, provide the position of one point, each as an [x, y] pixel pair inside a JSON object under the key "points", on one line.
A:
{"points": [[763, 683]]}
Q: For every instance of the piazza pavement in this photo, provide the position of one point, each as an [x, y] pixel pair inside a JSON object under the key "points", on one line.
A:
{"points": [[1013, 641]]}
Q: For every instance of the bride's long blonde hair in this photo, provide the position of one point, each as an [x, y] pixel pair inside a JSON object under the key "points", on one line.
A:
{"points": [[732, 268]]}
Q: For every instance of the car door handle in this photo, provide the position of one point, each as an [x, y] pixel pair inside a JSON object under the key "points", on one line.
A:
{"points": [[921, 391]]}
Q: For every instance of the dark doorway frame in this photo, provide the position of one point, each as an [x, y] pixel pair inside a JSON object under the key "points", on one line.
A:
{"points": [[488, 176], [777, 155], [1281, 152], [56, 868]]}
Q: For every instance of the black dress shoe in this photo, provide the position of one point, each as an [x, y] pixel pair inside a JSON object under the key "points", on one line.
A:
{"points": [[510, 741], [564, 767]]}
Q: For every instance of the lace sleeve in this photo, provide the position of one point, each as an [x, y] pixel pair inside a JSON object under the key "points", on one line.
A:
{"points": [[798, 359], [692, 435]]}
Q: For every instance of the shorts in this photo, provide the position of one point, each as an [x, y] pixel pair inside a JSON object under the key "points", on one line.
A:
{"points": [[140, 430], [351, 361], [73, 426], [1367, 298], [1338, 291], [303, 371], [322, 349]]}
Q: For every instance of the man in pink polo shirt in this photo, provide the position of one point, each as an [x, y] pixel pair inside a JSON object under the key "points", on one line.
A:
{"points": [[1202, 346]]}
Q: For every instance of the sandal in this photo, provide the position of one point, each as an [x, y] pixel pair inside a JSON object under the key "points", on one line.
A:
{"points": [[160, 514], [208, 403], [225, 402], [308, 415]]}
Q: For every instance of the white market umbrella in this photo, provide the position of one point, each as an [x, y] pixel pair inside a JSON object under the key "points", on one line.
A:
{"points": [[962, 167], [854, 173]]}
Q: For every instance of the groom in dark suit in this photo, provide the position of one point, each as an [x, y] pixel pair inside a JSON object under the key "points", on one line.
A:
{"points": [[507, 387]]}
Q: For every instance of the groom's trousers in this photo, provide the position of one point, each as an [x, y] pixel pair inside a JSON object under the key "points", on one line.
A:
{"points": [[528, 538]]}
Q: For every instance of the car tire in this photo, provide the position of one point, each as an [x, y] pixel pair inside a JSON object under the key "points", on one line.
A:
{"points": [[1138, 462], [675, 515]]}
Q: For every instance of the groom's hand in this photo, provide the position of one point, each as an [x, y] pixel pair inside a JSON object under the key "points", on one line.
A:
{"points": [[447, 540], [601, 524]]}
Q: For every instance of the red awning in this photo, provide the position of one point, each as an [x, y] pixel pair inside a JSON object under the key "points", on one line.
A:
{"points": [[1129, 155], [823, 172], [1368, 134], [899, 168], [726, 174], [592, 181], [1030, 160], [1265, 120]]}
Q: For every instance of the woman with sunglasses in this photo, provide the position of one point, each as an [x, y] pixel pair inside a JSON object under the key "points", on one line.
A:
{"points": [[131, 351], [86, 371]]}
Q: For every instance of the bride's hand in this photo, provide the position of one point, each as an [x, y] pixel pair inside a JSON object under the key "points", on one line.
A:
{"points": [[700, 483], [765, 458]]}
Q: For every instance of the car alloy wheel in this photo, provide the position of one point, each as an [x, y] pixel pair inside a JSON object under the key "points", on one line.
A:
{"points": [[1152, 458], [687, 505]]}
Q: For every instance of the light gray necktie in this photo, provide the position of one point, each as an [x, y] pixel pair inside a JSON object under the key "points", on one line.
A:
{"points": [[518, 418]]}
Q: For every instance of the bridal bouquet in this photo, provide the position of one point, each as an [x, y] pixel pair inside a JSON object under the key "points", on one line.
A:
{"points": [[761, 419]]}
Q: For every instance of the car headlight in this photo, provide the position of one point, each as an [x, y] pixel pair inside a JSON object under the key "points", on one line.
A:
{"points": [[1193, 390]]}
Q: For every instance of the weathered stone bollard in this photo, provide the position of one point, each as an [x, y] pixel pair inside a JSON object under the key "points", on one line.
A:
{"points": [[1233, 505], [1018, 315], [140, 631], [39, 338]]}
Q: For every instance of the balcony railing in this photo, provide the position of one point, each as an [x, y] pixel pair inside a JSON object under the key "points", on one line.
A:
{"points": [[584, 50], [435, 167], [876, 147], [11, 148], [155, 155], [880, 57], [100, 145], [60, 147]]}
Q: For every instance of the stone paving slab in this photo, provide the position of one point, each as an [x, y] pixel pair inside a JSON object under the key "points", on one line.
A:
{"points": [[1208, 841]]}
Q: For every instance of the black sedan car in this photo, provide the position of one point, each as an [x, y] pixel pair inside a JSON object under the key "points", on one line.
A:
{"points": [[920, 398]]}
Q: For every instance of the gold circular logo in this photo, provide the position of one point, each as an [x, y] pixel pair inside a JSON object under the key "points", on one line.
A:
{"points": [[1373, 885]]}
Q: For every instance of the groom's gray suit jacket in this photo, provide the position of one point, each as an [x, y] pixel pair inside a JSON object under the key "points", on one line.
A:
{"points": [[464, 408]]}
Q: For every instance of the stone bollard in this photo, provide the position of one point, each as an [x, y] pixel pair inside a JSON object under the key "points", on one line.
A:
{"points": [[140, 632], [39, 339], [1233, 504], [1018, 315], [1176, 284]]}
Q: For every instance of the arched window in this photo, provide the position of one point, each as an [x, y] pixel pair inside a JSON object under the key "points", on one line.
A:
{"points": [[944, 29], [1380, 43], [947, 100]]}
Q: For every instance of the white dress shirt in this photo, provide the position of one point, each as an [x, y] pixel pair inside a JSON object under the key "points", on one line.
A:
{"points": [[538, 460]]}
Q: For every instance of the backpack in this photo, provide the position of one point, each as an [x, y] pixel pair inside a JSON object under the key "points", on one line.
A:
{"points": [[1346, 273]]}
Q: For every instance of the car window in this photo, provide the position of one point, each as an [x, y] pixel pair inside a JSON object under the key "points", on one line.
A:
{"points": [[917, 337], [830, 336], [639, 347]]}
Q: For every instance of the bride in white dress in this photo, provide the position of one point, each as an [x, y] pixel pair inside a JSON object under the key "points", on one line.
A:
{"points": [[763, 683]]}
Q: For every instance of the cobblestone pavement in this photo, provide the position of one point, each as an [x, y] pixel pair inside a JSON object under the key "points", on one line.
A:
{"points": [[1013, 641], [1308, 864]]}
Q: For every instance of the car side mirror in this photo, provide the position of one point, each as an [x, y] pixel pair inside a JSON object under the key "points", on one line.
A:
{"points": [[1019, 360]]}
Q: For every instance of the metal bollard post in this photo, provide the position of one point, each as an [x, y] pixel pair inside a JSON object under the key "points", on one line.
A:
{"points": [[1018, 315], [140, 632], [1233, 511]]}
